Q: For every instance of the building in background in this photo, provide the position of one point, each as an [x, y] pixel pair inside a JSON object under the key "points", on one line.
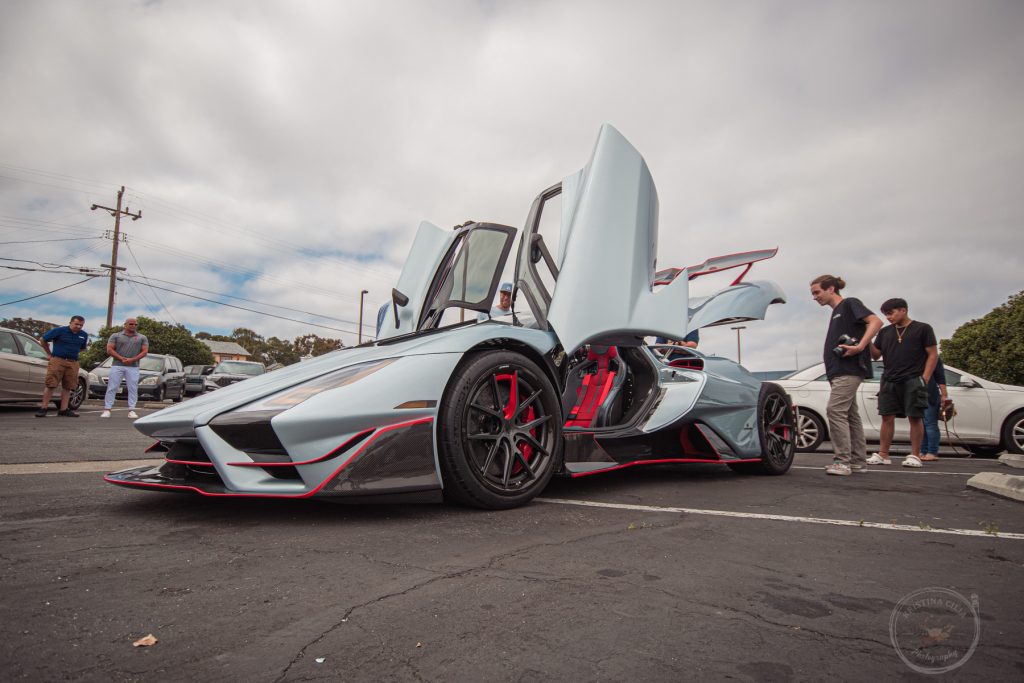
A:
{"points": [[226, 350]]}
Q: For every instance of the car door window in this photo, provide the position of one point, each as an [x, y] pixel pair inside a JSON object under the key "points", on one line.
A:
{"points": [[33, 349], [7, 344]]}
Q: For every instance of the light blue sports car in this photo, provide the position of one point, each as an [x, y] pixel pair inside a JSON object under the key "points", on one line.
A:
{"points": [[442, 406]]}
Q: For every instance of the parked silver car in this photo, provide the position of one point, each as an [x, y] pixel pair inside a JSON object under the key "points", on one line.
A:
{"points": [[23, 362], [989, 419]]}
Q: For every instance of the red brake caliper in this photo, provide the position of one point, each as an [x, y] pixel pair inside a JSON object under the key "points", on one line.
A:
{"points": [[509, 411]]}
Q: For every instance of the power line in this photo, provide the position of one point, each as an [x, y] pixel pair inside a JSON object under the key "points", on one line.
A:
{"points": [[36, 296], [63, 239], [252, 301], [250, 310]]}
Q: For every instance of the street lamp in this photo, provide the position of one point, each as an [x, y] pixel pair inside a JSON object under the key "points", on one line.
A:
{"points": [[739, 354], [362, 295]]}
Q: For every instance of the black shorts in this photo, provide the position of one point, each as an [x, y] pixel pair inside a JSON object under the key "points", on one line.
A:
{"points": [[903, 399]]}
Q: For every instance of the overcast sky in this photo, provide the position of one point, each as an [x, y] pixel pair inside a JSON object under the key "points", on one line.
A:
{"points": [[284, 152]]}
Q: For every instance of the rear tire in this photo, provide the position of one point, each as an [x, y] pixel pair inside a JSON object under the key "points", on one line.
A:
{"points": [[1013, 433], [499, 431], [776, 431]]}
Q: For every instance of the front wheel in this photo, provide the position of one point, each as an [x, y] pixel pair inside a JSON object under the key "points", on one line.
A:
{"points": [[158, 394], [78, 395], [1013, 433], [499, 431]]}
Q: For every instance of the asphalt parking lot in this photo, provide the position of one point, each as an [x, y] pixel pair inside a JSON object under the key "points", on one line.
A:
{"points": [[659, 573]]}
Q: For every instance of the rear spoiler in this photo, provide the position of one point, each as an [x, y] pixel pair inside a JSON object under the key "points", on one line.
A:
{"points": [[716, 264]]}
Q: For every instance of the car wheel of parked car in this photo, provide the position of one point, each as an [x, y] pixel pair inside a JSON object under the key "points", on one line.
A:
{"points": [[180, 396], [500, 431], [810, 431], [776, 430], [1013, 433], [77, 396], [985, 451], [158, 395]]}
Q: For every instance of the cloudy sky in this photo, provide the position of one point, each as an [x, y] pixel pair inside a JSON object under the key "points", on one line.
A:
{"points": [[284, 152]]}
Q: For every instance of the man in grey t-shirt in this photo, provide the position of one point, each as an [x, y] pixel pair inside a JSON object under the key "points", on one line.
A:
{"points": [[127, 348]]}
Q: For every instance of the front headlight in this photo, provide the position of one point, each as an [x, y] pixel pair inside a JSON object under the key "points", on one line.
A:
{"points": [[289, 398], [149, 381], [93, 379]]}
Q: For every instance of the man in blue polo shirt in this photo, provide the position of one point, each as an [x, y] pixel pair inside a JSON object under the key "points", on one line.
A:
{"points": [[62, 369]]}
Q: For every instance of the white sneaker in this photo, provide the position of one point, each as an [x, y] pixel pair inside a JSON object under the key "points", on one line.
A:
{"points": [[105, 413], [132, 414], [912, 461], [877, 459]]}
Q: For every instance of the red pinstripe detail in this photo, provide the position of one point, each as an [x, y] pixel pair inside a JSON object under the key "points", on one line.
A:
{"points": [[307, 494], [189, 462]]}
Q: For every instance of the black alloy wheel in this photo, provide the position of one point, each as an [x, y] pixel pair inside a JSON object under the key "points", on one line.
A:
{"points": [[500, 431], [777, 432]]}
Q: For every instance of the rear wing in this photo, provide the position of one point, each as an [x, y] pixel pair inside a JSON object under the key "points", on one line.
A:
{"points": [[716, 264]]}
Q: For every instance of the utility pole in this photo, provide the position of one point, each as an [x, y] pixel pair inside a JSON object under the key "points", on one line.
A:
{"points": [[739, 352], [116, 213]]}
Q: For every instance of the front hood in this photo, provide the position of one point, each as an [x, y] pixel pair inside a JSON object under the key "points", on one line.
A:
{"points": [[181, 419]]}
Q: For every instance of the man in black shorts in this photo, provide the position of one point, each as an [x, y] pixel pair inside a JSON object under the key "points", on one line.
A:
{"points": [[909, 353]]}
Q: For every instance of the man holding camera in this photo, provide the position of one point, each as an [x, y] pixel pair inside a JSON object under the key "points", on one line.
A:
{"points": [[847, 364], [910, 353]]}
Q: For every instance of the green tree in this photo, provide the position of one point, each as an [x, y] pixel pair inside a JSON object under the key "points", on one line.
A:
{"points": [[36, 328], [315, 345], [279, 351], [174, 340], [992, 346]]}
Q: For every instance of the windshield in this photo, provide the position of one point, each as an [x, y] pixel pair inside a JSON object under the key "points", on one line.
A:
{"points": [[151, 363], [234, 367]]}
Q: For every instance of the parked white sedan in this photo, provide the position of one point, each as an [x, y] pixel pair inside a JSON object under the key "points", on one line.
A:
{"points": [[989, 416]]}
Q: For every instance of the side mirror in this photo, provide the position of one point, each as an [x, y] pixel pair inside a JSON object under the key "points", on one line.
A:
{"points": [[208, 370], [398, 299], [968, 384]]}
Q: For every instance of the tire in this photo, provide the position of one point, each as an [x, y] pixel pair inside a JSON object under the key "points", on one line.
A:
{"points": [[158, 395], [985, 451], [810, 431], [1013, 433], [495, 452], [77, 396], [180, 396], [776, 430]]}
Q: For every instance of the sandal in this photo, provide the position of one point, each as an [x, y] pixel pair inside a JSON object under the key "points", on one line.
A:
{"points": [[929, 457]]}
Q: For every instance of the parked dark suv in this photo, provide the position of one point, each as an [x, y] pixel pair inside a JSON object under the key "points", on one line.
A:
{"points": [[195, 375], [160, 377]]}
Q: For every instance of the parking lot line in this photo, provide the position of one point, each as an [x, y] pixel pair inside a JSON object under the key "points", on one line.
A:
{"points": [[784, 518]]}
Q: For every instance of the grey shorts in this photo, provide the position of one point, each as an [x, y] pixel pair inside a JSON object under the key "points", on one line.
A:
{"points": [[903, 399]]}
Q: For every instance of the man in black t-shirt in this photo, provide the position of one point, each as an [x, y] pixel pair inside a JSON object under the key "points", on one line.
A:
{"points": [[909, 352], [845, 371]]}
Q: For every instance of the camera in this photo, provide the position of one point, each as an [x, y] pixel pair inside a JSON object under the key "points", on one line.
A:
{"points": [[843, 339]]}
